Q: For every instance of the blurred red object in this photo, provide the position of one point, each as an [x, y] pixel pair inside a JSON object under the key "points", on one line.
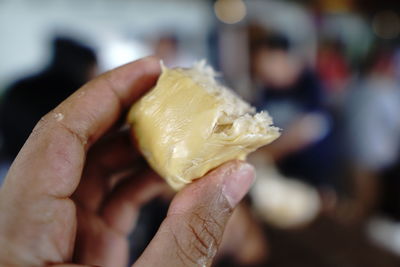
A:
{"points": [[333, 69]]}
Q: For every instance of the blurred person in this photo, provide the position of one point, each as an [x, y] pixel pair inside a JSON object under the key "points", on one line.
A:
{"points": [[373, 125], [332, 67], [291, 92], [60, 206], [27, 100], [168, 47]]}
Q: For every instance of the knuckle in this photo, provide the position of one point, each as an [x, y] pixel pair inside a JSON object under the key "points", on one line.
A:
{"points": [[206, 230], [197, 238], [204, 234], [45, 123], [198, 232], [41, 124]]}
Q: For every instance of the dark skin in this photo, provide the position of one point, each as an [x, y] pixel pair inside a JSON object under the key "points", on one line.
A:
{"points": [[73, 193]]}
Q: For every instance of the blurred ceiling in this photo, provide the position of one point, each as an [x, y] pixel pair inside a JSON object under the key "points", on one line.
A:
{"points": [[368, 7], [373, 6]]}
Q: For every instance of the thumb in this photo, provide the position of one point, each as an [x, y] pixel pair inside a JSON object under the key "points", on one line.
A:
{"points": [[193, 229]]}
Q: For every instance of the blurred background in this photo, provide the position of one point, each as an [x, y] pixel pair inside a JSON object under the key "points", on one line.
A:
{"points": [[328, 72]]}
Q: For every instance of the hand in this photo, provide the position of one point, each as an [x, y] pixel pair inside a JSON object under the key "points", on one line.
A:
{"points": [[65, 200]]}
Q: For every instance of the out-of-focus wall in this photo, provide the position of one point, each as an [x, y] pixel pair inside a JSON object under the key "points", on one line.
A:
{"points": [[119, 30]]}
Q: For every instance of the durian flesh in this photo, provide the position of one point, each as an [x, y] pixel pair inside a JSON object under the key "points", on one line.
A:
{"points": [[189, 124]]}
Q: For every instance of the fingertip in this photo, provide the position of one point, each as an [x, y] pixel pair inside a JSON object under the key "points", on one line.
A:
{"points": [[153, 59], [237, 181], [152, 62], [232, 180]]}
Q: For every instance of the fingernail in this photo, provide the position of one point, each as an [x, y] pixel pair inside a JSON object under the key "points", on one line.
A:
{"points": [[237, 182]]}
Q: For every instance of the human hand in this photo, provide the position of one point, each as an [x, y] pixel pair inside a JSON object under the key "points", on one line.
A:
{"points": [[61, 203]]}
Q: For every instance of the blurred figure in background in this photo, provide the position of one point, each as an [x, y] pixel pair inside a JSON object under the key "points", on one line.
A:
{"points": [[168, 47], [292, 94], [373, 124], [27, 100], [334, 71]]}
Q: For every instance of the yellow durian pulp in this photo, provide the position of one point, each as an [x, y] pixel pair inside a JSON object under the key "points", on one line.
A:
{"points": [[189, 124]]}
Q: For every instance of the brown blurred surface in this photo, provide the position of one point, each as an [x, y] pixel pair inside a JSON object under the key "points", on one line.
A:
{"points": [[326, 243]]}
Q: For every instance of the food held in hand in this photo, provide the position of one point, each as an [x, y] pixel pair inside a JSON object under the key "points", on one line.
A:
{"points": [[189, 124]]}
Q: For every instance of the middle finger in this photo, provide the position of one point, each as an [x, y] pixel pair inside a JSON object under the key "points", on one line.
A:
{"points": [[111, 156]]}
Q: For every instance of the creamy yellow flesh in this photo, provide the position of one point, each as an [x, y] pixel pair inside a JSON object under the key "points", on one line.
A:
{"points": [[185, 127]]}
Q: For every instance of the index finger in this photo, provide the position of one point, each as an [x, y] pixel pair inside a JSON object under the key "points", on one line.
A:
{"points": [[52, 159]]}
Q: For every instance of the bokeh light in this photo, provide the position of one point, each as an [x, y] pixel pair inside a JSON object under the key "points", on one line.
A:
{"points": [[230, 11]]}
